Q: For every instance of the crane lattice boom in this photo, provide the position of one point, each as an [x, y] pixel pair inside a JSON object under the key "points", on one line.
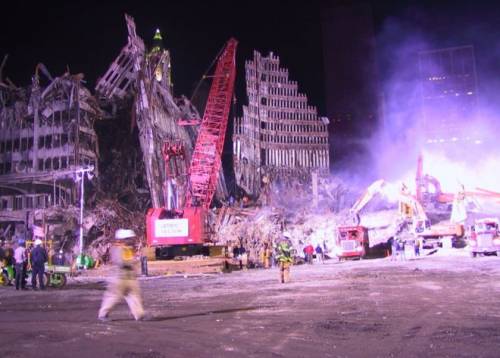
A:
{"points": [[206, 158]]}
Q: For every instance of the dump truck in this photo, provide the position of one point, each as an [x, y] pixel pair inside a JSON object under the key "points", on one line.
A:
{"points": [[351, 242]]}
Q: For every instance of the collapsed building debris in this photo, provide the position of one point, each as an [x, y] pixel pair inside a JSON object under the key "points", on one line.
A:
{"points": [[280, 135], [145, 77], [46, 132]]}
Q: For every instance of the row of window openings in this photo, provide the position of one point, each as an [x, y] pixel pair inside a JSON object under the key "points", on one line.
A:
{"points": [[266, 65], [55, 163], [296, 128], [301, 158], [283, 103], [276, 91], [291, 115], [28, 122], [289, 91], [23, 144], [31, 202], [292, 139], [286, 115], [274, 78]]}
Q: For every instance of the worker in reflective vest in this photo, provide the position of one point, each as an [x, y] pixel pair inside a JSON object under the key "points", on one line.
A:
{"points": [[124, 283], [284, 256]]}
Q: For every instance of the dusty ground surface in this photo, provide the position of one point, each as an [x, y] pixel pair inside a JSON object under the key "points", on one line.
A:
{"points": [[441, 306]]}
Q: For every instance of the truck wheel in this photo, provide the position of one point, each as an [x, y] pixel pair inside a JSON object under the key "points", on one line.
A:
{"points": [[58, 280]]}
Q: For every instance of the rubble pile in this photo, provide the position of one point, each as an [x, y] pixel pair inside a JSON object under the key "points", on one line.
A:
{"points": [[308, 220], [99, 226], [102, 222]]}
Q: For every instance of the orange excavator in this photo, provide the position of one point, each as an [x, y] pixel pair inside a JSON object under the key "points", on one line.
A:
{"points": [[436, 198]]}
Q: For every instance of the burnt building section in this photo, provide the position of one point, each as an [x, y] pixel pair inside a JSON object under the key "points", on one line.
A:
{"points": [[280, 135], [448, 88], [46, 133]]}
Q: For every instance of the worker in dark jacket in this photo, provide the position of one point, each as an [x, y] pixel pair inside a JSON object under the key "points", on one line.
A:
{"points": [[38, 260]]}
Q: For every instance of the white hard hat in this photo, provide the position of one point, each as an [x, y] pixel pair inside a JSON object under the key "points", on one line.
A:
{"points": [[121, 234], [287, 234], [38, 242]]}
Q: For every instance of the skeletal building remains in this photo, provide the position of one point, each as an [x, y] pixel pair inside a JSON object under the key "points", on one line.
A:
{"points": [[164, 122], [280, 135], [46, 132]]}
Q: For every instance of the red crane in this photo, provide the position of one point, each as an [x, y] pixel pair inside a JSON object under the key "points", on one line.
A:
{"points": [[206, 159], [187, 226]]}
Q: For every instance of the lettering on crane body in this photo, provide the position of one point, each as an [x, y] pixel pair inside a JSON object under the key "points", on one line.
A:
{"points": [[171, 228]]}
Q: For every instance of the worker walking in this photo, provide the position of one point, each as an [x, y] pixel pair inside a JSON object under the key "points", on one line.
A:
{"points": [[38, 260], [124, 284], [284, 256]]}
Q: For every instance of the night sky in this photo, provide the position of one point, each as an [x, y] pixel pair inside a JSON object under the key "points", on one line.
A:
{"points": [[88, 35]]}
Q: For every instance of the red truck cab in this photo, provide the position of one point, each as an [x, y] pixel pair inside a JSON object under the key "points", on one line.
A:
{"points": [[351, 242]]}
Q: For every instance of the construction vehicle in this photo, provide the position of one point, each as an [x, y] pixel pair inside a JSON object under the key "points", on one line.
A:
{"points": [[434, 198], [353, 218], [484, 237], [429, 193], [352, 238], [419, 226], [180, 228], [351, 242]]}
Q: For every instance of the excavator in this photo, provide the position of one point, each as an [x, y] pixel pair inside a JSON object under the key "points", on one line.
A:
{"points": [[353, 218], [413, 220], [431, 196], [352, 238]]}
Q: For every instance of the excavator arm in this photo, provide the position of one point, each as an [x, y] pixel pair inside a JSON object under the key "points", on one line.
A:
{"points": [[375, 188]]}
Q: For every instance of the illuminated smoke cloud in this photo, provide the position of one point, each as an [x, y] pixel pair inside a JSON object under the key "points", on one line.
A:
{"points": [[472, 161]]}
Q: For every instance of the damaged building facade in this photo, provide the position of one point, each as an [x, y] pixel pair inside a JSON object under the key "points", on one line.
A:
{"points": [[46, 133], [164, 122], [280, 135]]}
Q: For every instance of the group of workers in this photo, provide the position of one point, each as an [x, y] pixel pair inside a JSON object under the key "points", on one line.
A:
{"points": [[398, 248], [282, 255], [17, 262]]}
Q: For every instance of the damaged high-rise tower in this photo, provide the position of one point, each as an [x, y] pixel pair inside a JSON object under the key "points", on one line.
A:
{"points": [[280, 135]]}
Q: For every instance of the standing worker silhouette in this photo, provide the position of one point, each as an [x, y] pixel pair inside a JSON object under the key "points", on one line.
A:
{"points": [[284, 256], [124, 283], [38, 259]]}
